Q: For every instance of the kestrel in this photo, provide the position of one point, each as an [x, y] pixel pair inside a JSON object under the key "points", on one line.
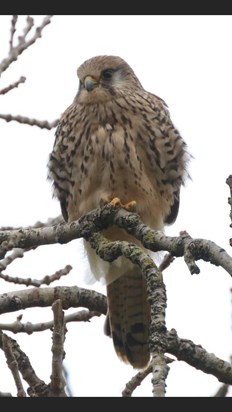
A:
{"points": [[116, 140]]}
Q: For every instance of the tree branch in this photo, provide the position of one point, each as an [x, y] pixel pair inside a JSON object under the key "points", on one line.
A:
{"points": [[29, 328], [183, 349], [198, 357], [89, 227], [156, 293], [71, 297], [42, 124], [16, 254], [136, 381], [222, 391], [13, 30], [138, 378], [57, 384], [35, 282], [22, 79], [167, 260], [22, 45], [98, 219], [12, 363], [26, 30], [229, 183], [37, 387], [52, 221]]}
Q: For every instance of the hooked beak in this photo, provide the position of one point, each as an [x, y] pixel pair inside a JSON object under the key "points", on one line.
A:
{"points": [[90, 83]]}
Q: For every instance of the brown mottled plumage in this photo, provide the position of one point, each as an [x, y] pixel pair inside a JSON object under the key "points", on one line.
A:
{"points": [[117, 140]]}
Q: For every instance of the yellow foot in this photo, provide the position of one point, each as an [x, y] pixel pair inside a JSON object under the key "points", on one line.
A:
{"points": [[128, 206]]}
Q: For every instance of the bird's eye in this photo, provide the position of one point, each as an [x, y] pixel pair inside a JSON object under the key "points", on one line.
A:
{"points": [[107, 74]]}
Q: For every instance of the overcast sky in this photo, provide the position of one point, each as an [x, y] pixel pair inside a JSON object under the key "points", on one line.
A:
{"points": [[187, 61]]}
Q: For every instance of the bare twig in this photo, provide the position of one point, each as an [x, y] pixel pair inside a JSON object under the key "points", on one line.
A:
{"points": [[13, 30], [222, 391], [26, 30], [12, 363], [167, 260], [16, 254], [42, 124], [138, 378], [23, 45], [29, 328], [229, 183], [136, 381], [52, 221], [47, 280], [22, 79], [58, 383]]}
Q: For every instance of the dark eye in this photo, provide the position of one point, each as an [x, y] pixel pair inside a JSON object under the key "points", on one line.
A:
{"points": [[107, 74]]}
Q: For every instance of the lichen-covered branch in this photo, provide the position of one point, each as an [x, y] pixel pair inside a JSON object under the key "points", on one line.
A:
{"points": [[156, 293], [42, 124], [157, 298], [136, 381], [139, 377], [183, 349], [177, 246], [37, 387], [89, 227], [71, 297], [198, 357], [98, 219]]}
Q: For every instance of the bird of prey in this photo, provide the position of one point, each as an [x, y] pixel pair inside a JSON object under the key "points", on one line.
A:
{"points": [[116, 142]]}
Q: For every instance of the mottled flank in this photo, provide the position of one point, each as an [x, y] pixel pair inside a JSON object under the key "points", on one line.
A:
{"points": [[118, 140]]}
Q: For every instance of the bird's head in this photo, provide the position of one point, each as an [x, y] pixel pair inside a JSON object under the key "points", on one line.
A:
{"points": [[103, 78]]}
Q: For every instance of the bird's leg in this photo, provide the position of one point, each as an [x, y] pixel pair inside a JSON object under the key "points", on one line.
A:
{"points": [[130, 206]]}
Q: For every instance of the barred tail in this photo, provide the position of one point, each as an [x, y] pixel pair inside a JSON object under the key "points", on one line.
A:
{"points": [[128, 318]]}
